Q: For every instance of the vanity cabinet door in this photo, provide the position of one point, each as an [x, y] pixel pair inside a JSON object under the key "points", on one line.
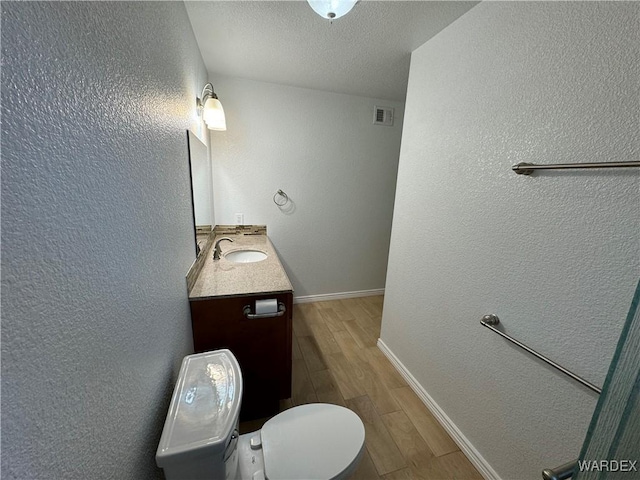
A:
{"points": [[262, 347]]}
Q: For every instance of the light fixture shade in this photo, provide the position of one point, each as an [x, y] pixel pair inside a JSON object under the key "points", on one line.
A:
{"points": [[332, 9], [213, 115]]}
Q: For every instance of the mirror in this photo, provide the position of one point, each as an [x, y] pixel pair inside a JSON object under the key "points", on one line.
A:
{"points": [[201, 190]]}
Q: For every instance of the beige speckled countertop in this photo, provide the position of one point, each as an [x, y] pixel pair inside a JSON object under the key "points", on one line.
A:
{"points": [[224, 278]]}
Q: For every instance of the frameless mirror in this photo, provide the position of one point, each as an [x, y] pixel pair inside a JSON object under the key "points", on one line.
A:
{"points": [[201, 190]]}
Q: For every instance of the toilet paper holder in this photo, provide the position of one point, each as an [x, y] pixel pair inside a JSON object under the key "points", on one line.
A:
{"points": [[251, 316]]}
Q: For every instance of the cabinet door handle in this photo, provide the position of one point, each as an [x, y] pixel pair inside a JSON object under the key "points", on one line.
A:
{"points": [[251, 316]]}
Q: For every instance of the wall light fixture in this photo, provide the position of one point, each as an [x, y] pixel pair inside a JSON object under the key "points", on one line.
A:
{"points": [[211, 109]]}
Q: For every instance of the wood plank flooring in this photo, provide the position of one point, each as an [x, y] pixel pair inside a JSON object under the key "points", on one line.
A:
{"points": [[336, 360]]}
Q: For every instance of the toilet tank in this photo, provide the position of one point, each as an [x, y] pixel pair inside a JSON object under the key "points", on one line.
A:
{"points": [[200, 434]]}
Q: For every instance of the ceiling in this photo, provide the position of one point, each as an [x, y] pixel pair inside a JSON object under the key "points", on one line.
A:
{"points": [[366, 52]]}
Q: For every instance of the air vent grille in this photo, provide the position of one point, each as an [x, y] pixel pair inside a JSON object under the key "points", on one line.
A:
{"points": [[383, 116]]}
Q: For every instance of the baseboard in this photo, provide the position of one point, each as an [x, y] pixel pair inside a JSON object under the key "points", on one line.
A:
{"points": [[465, 445], [337, 296]]}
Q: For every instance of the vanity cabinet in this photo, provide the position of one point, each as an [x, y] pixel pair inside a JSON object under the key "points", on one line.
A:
{"points": [[261, 345]]}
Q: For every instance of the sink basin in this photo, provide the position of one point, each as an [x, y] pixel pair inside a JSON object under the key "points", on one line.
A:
{"points": [[245, 256]]}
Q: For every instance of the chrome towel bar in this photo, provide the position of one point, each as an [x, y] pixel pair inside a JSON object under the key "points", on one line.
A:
{"points": [[524, 168], [560, 473], [491, 320]]}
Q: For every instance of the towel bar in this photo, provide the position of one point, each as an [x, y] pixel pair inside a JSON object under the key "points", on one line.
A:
{"points": [[524, 168], [490, 320]]}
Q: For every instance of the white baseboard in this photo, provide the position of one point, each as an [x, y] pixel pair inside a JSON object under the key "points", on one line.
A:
{"points": [[337, 296], [465, 445]]}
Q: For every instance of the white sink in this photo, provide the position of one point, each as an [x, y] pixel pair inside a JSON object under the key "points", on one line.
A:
{"points": [[245, 256]]}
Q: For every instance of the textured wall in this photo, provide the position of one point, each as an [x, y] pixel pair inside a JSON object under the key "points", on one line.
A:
{"points": [[555, 255], [336, 166], [96, 232]]}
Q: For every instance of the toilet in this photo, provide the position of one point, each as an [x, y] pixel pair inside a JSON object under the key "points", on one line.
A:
{"points": [[200, 439]]}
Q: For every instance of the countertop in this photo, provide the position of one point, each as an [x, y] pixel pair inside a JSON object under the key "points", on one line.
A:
{"points": [[224, 278]]}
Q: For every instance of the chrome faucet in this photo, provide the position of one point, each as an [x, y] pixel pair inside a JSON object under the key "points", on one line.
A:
{"points": [[216, 249]]}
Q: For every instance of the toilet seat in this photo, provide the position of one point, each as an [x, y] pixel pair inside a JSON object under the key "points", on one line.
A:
{"points": [[317, 441]]}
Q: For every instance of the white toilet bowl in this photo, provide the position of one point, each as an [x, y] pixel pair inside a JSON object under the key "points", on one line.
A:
{"points": [[200, 437]]}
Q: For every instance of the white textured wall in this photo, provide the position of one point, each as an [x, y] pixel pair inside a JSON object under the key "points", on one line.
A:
{"points": [[97, 232], [336, 166], [555, 255]]}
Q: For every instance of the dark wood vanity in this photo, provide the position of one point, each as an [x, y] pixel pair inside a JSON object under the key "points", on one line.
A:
{"points": [[262, 347], [219, 298]]}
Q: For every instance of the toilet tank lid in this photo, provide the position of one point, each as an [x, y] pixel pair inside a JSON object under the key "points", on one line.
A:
{"points": [[204, 408]]}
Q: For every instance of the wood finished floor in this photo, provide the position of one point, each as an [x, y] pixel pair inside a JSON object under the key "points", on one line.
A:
{"points": [[336, 360]]}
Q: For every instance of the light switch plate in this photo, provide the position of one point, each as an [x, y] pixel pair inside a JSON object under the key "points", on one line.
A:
{"points": [[239, 218]]}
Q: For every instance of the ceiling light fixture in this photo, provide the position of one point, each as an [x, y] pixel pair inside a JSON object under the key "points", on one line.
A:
{"points": [[211, 109], [332, 9]]}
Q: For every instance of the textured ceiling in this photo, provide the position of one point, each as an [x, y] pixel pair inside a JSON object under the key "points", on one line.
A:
{"points": [[366, 52]]}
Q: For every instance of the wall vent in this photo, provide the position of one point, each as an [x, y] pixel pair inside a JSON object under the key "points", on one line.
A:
{"points": [[383, 116]]}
